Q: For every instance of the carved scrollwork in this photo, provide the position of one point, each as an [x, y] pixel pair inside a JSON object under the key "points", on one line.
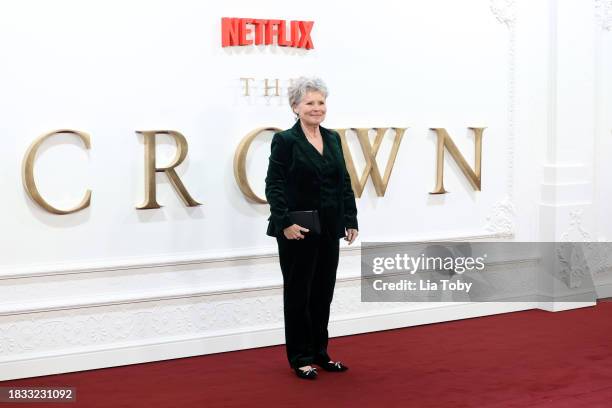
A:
{"points": [[603, 13], [574, 267], [501, 220], [504, 11]]}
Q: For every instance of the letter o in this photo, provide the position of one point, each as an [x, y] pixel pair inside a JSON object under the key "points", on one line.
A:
{"points": [[240, 163]]}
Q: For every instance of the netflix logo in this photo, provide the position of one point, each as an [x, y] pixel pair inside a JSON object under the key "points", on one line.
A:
{"points": [[249, 31]]}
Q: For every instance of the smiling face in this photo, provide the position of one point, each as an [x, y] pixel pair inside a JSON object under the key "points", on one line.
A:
{"points": [[311, 109]]}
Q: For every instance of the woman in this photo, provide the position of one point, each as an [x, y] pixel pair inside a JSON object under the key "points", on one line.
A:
{"points": [[306, 171]]}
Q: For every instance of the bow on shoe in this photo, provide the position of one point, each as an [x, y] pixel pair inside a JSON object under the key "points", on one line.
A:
{"points": [[309, 373], [333, 366]]}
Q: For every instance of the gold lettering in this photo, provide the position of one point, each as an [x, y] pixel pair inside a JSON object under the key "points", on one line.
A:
{"points": [[28, 173], [370, 152], [267, 87], [240, 163], [151, 168], [246, 85], [473, 176]]}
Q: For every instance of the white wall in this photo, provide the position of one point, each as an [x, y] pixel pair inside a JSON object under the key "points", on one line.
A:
{"points": [[113, 285], [161, 66], [603, 131]]}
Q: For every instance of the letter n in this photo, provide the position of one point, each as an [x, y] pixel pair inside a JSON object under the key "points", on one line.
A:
{"points": [[230, 31], [445, 141]]}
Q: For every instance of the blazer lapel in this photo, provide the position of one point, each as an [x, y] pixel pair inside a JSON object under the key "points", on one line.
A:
{"points": [[330, 146], [307, 149]]}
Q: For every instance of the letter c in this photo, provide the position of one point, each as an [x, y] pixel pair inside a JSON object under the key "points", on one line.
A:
{"points": [[28, 173]]}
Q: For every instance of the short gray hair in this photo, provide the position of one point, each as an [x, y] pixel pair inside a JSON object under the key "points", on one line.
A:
{"points": [[300, 86]]}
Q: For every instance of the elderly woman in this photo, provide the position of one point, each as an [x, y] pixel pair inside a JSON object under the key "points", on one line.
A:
{"points": [[306, 172]]}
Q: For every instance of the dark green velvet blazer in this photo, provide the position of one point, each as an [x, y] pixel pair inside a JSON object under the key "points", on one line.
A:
{"points": [[293, 181]]}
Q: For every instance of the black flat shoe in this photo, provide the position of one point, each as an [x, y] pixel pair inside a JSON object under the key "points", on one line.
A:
{"points": [[335, 366], [309, 374]]}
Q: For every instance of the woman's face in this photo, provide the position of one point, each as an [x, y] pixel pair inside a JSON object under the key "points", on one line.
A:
{"points": [[311, 108]]}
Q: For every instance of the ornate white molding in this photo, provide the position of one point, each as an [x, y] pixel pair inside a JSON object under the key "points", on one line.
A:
{"points": [[211, 316], [504, 11], [599, 257], [575, 232], [58, 332], [65, 330], [181, 260], [603, 14], [574, 267], [78, 357], [501, 220]]}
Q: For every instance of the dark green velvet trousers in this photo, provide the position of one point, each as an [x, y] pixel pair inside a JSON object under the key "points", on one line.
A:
{"points": [[309, 276]]}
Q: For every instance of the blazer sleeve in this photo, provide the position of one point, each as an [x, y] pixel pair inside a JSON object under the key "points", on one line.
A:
{"points": [[348, 196], [275, 183]]}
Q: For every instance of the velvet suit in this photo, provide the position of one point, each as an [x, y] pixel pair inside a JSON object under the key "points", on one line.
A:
{"points": [[301, 178]]}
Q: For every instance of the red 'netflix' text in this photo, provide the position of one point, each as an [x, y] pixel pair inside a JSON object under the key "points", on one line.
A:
{"points": [[254, 31]]}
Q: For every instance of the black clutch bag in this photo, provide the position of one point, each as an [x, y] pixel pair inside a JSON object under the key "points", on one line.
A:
{"points": [[307, 219]]}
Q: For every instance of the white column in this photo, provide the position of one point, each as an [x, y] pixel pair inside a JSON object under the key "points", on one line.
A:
{"points": [[567, 212]]}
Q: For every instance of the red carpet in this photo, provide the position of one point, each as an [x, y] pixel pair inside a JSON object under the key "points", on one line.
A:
{"points": [[523, 359]]}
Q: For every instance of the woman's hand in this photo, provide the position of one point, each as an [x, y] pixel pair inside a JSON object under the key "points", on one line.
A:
{"points": [[294, 232], [351, 235]]}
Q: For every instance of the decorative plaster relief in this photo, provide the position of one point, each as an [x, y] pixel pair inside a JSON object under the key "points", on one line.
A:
{"points": [[504, 11], [575, 232], [603, 14], [501, 220], [574, 267]]}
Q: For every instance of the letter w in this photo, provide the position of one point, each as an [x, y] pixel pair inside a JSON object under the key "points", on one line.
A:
{"points": [[369, 152]]}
